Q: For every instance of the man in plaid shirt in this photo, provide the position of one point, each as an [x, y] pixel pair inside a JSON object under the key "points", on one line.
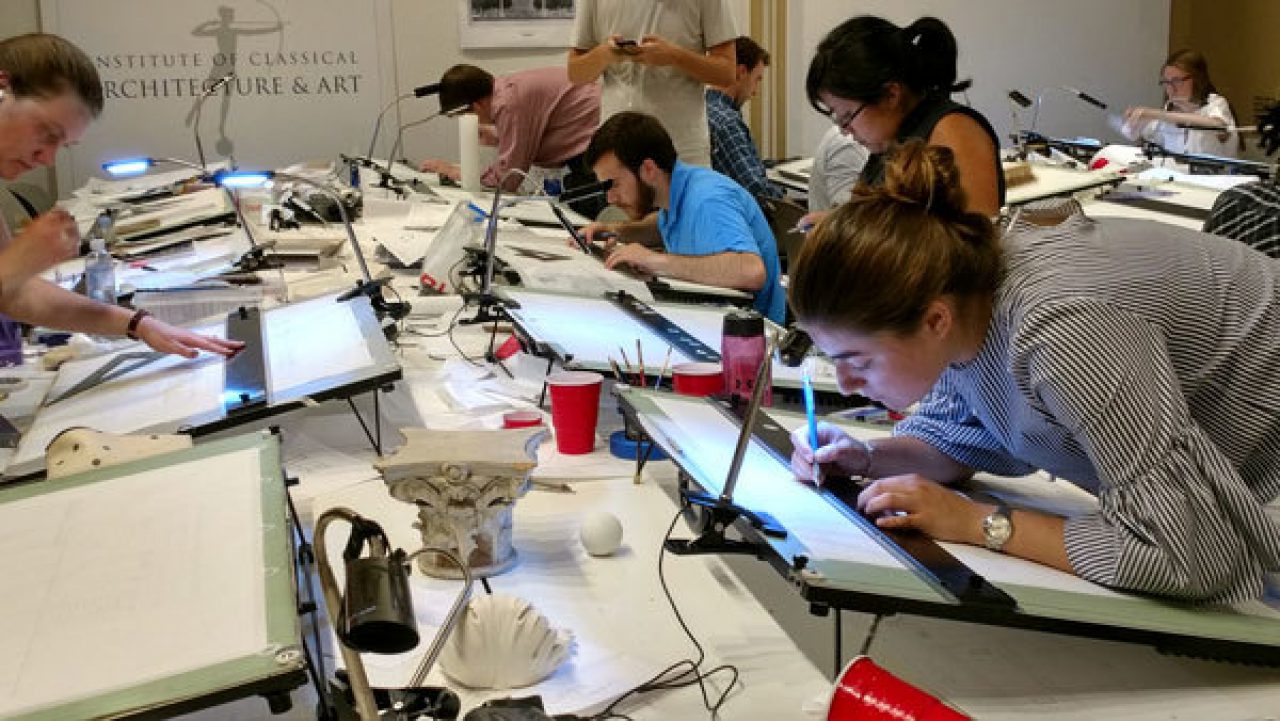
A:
{"points": [[733, 153]]}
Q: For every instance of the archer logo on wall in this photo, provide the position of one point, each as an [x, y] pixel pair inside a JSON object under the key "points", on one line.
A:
{"points": [[285, 79]]}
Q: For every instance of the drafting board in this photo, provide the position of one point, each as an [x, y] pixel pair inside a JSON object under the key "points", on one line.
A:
{"points": [[583, 332], [1052, 182], [313, 351], [548, 263], [154, 587], [848, 567]]}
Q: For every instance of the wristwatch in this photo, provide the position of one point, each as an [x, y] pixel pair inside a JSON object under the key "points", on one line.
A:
{"points": [[997, 527]]}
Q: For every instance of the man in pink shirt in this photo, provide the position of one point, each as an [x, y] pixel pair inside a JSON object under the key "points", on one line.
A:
{"points": [[538, 118]]}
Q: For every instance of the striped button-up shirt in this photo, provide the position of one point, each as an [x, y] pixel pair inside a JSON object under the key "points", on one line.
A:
{"points": [[1142, 362]]}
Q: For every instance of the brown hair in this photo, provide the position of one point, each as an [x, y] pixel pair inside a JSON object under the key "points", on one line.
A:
{"points": [[749, 53], [877, 261], [1194, 64], [45, 66]]}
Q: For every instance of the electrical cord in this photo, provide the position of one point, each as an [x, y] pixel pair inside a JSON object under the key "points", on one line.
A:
{"points": [[691, 673]]}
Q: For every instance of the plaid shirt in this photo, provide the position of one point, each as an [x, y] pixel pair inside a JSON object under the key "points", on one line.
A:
{"points": [[732, 151]]}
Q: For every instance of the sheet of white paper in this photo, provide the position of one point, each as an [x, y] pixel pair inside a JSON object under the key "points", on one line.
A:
{"points": [[588, 596], [705, 439], [131, 580], [312, 341], [164, 395], [427, 215]]}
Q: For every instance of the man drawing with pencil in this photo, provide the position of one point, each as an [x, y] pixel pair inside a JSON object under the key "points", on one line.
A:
{"points": [[707, 229]]}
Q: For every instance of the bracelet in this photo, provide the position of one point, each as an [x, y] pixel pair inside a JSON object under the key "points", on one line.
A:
{"points": [[131, 332]]}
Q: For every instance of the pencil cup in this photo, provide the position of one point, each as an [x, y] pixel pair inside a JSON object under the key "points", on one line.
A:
{"points": [[575, 407], [697, 379], [867, 692]]}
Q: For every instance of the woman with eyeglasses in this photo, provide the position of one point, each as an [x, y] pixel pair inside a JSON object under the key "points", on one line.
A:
{"points": [[884, 84], [1194, 119]]}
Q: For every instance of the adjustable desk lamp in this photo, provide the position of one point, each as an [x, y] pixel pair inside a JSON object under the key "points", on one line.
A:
{"points": [[366, 287], [255, 258]]}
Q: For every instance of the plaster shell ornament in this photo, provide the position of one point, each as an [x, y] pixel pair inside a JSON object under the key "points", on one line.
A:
{"points": [[504, 642], [80, 449], [465, 485]]}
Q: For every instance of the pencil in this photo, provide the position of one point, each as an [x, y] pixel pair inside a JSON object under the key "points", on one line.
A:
{"points": [[665, 362], [640, 361], [628, 362]]}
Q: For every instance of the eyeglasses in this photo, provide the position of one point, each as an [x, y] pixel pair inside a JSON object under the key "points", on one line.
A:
{"points": [[1173, 81], [843, 122]]}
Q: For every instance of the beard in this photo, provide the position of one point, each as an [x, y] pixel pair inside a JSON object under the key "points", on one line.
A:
{"points": [[644, 198]]}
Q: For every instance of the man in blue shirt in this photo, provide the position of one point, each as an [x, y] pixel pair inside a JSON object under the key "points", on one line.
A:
{"points": [[732, 150], [707, 228]]}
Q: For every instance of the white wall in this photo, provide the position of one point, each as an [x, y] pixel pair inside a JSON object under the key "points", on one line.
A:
{"points": [[1111, 50], [426, 39]]}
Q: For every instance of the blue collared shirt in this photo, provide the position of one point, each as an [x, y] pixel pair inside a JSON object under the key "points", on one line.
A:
{"points": [[708, 214], [732, 150]]}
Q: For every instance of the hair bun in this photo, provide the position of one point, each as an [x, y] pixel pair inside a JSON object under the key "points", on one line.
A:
{"points": [[925, 175]]}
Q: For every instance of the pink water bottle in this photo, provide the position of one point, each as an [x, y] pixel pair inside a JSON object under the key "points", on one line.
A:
{"points": [[742, 349]]}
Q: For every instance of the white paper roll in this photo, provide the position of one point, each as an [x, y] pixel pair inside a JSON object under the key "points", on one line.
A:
{"points": [[469, 148]]}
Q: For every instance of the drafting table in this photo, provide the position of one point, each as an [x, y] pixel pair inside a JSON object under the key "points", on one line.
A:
{"points": [[151, 588], [840, 560], [792, 175], [308, 352], [548, 263], [1051, 182], [1171, 202], [584, 332]]}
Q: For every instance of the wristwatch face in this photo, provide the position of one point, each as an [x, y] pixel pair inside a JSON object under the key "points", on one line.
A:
{"points": [[996, 529]]}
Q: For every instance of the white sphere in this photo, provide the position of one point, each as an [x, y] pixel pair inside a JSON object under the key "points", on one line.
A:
{"points": [[601, 533]]}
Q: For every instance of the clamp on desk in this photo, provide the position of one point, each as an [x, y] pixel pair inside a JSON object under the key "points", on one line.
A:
{"points": [[720, 512]]}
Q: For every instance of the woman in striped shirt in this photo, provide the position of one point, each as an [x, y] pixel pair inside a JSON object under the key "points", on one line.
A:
{"points": [[1137, 360]]}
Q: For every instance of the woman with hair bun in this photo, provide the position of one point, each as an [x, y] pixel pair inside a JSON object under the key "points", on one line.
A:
{"points": [[1194, 119], [1138, 364], [884, 84]]}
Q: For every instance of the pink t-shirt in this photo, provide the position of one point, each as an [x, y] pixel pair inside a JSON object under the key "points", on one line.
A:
{"points": [[541, 119]]}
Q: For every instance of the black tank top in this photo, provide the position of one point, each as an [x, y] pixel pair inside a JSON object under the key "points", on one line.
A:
{"points": [[920, 123]]}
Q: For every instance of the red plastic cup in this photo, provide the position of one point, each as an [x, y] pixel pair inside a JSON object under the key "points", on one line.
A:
{"points": [[575, 407], [867, 692], [697, 379], [521, 419]]}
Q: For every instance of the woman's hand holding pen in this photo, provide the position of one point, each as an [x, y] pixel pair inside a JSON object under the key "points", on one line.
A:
{"points": [[838, 453]]}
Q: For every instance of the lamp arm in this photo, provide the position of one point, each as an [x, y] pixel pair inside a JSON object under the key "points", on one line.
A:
{"points": [[342, 212], [366, 706], [451, 620]]}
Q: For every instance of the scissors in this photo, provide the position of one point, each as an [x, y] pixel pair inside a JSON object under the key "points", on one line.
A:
{"points": [[112, 369]]}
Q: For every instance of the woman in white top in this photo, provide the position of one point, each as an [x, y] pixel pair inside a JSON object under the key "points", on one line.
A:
{"points": [[1195, 118]]}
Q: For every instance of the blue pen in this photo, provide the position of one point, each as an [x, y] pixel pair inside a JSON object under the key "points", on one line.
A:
{"points": [[477, 210], [813, 422]]}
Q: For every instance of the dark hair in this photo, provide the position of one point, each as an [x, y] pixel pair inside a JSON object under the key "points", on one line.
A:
{"points": [[633, 137], [464, 85], [749, 53], [912, 235], [865, 53], [45, 66]]}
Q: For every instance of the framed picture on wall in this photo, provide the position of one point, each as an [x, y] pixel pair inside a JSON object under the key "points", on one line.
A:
{"points": [[515, 23]]}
